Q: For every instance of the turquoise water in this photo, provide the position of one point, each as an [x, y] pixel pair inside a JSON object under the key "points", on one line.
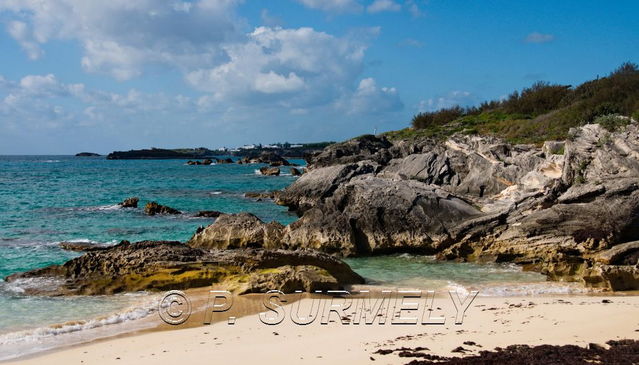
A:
{"points": [[48, 199]]}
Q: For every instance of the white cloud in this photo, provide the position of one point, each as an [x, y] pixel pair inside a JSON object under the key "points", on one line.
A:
{"points": [[21, 32], [334, 6], [277, 62], [371, 99], [119, 37], [379, 6], [536, 37]]}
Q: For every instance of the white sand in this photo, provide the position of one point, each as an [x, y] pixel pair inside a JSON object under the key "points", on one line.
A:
{"points": [[490, 322]]}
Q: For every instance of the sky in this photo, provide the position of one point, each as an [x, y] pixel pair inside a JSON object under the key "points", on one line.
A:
{"points": [[98, 76]]}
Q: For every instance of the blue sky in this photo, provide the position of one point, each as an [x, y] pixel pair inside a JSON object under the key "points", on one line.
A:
{"points": [[100, 76]]}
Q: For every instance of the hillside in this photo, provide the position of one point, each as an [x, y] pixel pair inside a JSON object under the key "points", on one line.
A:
{"points": [[541, 112]]}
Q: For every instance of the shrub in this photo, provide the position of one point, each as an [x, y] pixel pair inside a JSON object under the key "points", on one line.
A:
{"points": [[542, 111], [612, 121]]}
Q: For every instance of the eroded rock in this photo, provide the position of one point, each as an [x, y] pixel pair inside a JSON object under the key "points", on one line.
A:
{"points": [[166, 265], [153, 208]]}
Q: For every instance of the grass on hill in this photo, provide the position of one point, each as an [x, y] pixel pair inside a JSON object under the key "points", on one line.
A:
{"points": [[539, 113]]}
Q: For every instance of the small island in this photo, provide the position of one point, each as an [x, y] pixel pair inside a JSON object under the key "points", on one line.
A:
{"points": [[87, 154]]}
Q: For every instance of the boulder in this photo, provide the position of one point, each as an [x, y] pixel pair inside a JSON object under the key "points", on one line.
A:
{"points": [[148, 265], [270, 171], [295, 172], [238, 231], [129, 202], [153, 208]]}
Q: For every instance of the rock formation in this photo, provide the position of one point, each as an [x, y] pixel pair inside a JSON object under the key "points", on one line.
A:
{"points": [[554, 209], [238, 231], [153, 208], [172, 265], [270, 171]]}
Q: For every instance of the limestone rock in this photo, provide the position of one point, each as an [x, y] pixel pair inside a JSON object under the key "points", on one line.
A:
{"points": [[165, 265], [238, 231]]}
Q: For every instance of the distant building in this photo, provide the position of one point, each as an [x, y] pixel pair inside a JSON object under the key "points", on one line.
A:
{"points": [[296, 145], [248, 147]]}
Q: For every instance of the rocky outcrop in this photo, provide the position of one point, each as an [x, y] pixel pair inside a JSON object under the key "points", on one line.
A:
{"points": [[130, 202], [172, 265], [238, 231], [153, 208], [295, 172], [270, 171], [87, 154], [552, 209], [367, 147]]}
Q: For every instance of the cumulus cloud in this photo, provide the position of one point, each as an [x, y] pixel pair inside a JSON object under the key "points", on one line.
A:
{"points": [[334, 6], [536, 37], [119, 37], [306, 81], [371, 99], [379, 6], [297, 67]]}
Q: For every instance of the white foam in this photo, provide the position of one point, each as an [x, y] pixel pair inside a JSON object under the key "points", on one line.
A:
{"points": [[20, 343], [518, 289]]}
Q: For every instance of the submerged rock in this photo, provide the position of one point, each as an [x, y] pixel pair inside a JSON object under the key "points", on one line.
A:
{"points": [[261, 194], [270, 171], [153, 208], [130, 202], [208, 214], [163, 265]]}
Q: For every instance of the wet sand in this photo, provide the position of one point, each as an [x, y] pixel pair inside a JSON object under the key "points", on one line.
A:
{"points": [[489, 322]]}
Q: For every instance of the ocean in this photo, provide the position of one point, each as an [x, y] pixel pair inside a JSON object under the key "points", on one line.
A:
{"points": [[45, 200]]}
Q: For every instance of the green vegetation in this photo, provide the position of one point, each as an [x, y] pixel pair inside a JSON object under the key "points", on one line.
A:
{"points": [[541, 112]]}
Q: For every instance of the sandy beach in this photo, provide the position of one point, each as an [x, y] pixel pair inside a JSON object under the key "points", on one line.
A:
{"points": [[489, 322]]}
